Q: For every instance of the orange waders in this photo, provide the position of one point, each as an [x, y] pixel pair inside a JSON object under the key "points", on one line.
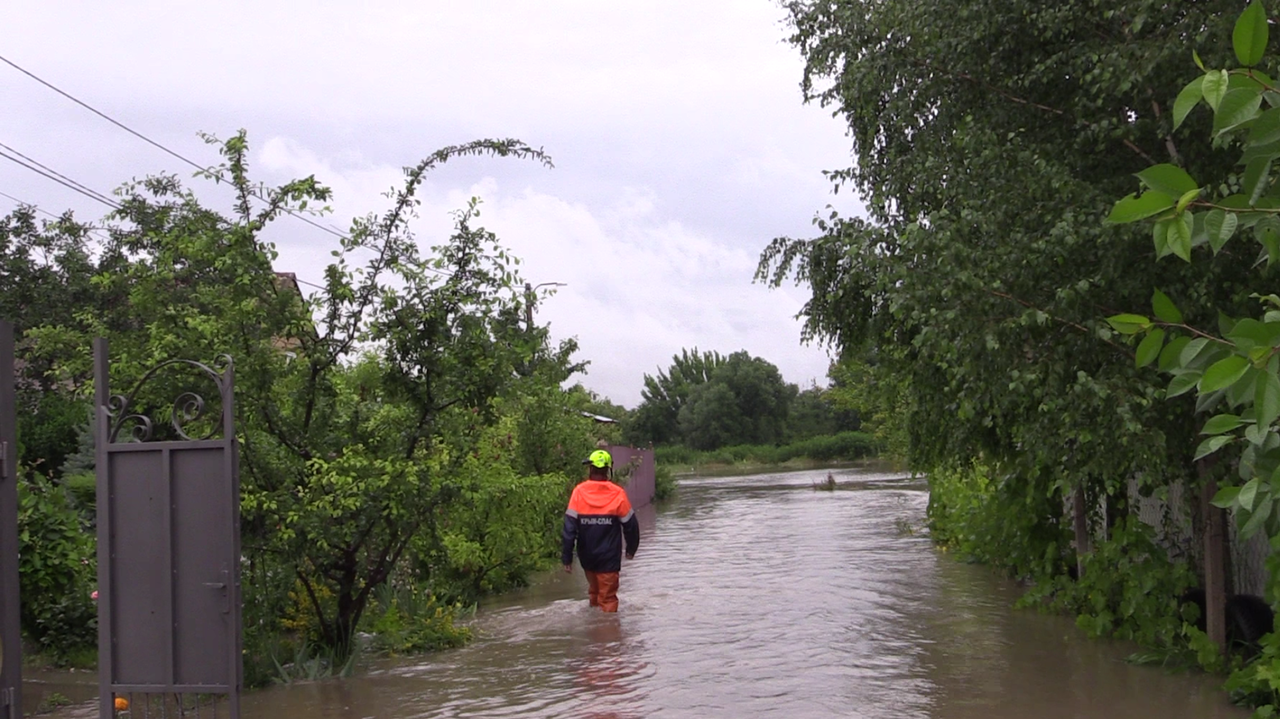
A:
{"points": [[602, 590]]}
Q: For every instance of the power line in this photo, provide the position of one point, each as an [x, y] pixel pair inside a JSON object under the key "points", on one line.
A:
{"points": [[43, 166], [41, 210], [70, 185], [174, 153], [97, 112], [148, 140]]}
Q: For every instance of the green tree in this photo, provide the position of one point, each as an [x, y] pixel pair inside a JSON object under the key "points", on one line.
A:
{"points": [[1232, 364], [711, 419], [812, 414], [358, 406], [657, 419], [47, 269], [745, 401], [985, 146]]}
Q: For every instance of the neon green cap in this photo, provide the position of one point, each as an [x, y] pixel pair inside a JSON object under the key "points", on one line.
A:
{"points": [[599, 458]]}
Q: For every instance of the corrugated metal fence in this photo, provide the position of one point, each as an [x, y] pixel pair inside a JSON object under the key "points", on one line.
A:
{"points": [[1171, 518], [635, 470]]}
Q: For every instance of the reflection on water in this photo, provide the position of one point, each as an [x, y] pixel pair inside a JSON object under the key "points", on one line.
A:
{"points": [[758, 596]]}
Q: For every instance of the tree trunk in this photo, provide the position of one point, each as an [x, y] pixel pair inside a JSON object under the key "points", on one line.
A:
{"points": [[1080, 510], [1215, 586]]}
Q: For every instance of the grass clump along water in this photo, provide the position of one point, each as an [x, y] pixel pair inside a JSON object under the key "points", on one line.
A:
{"points": [[845, 446]]}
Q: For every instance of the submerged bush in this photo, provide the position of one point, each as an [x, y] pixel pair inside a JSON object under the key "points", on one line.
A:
{"points": [[411, 619], [997, 519], [664, 482]]}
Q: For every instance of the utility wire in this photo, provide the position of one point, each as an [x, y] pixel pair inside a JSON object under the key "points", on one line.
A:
{"points": [[43, 166], [70, 185], [41, 210], [149, 141], [97, 112]]}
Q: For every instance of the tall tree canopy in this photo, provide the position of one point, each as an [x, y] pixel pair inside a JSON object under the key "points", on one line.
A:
{"points": [[990, 140], [657, 419], [707, 401]]}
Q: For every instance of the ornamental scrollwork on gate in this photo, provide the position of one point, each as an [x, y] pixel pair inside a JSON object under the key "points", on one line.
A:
{"points": [[187, 409]]}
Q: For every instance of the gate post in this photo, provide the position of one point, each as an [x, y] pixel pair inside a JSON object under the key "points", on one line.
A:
{"points": [[101, 432], [10, 621]]}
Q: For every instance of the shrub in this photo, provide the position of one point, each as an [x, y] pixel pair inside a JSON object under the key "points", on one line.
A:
{"points": [[998, 519], [664, 482], [411, 619], [58, 570]]}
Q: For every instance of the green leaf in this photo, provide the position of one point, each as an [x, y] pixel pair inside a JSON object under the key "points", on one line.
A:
{"points": [[1225, 497], [1169, 356], [1250, 35], [1214, 86], [1243, 391], [1237, 107], [1180, 235], [1211, 445], [1208, 401], [1267, 129], [1182, 383], [1248, 493], [1249, 333], [1169, 179], [1133, 208], [1255, 182], [1187, 198], [1253, 77], [1187, 100], [1199, 235], [1256, 151], [1193, 350], [1224, 373], [1220, 225], [1128, 324], [1160, 235], [1165, 309], [1270, 239], [1267, 232], [1256, 521], [1266, 399], [1149, 348], [1221, 423], [1226, 324]]}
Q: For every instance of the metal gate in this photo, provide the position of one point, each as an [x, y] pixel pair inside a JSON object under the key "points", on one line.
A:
{"points": [[10, 624], [169, 625]]}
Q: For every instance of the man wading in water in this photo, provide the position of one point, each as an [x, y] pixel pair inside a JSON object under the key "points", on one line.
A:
{"points": [[598, 518]]}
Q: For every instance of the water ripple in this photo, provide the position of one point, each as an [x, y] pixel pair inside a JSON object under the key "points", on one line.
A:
{"points": [[760, 597]]}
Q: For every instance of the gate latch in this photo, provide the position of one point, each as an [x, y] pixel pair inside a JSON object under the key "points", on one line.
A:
{"points": [[226, 595]]}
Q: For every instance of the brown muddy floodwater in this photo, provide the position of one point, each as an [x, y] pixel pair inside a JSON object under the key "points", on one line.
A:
{"points": [[761, 597]]}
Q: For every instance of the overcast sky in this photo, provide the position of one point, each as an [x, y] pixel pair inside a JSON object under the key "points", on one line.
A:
{"points": [[677, 129]]}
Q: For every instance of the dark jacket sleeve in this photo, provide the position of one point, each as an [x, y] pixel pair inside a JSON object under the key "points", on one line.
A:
{"points": [[567, 537], [631, 533]]}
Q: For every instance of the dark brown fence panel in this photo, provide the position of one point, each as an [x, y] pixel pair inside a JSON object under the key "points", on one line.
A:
{"points": [[635, 468], [168, 551], [10, 626]]}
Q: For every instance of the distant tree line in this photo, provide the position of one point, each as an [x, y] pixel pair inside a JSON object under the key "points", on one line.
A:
{"points": [[706, 401]]}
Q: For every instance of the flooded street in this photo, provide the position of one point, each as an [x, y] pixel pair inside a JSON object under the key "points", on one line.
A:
{"points": [[759, 596]]}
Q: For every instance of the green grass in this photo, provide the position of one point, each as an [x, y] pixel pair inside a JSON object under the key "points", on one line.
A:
{"points": [[844, 446]]}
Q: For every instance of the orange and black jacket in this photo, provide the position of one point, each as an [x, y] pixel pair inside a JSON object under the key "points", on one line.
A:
{"points": [[598, 518]]}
